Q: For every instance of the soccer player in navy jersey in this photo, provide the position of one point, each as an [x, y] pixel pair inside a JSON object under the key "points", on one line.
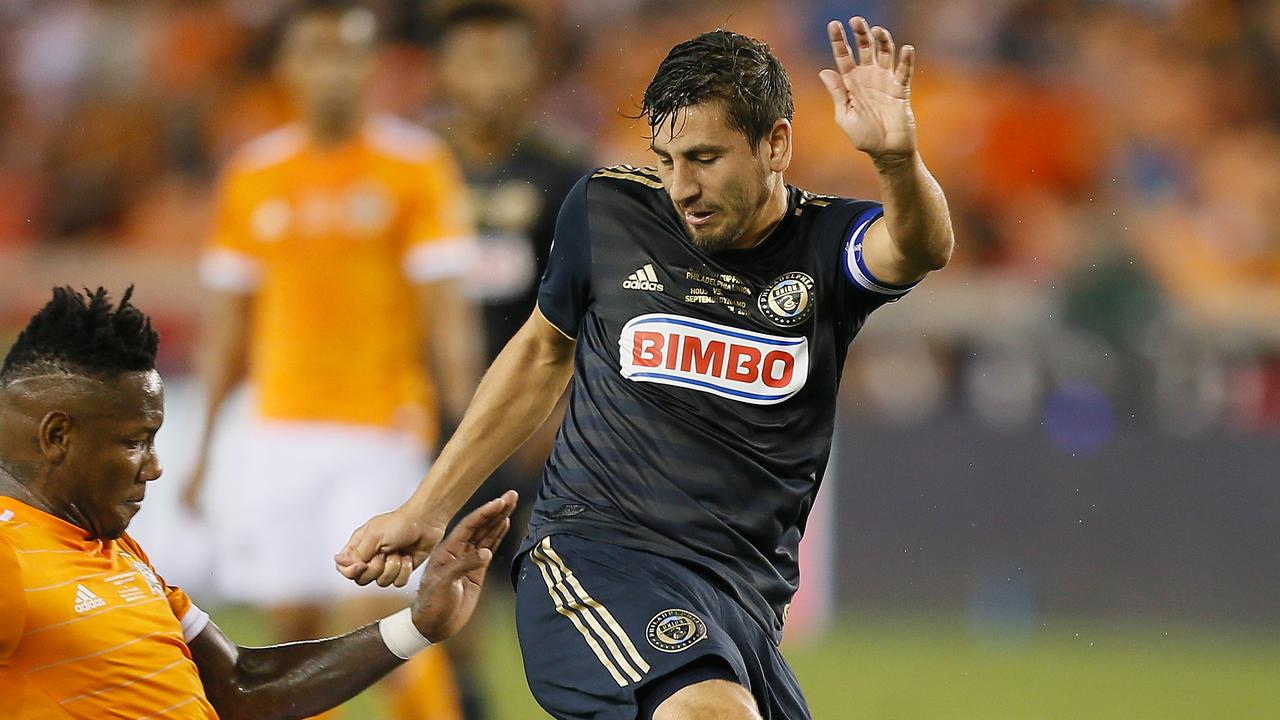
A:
{"points": [[702, 311]]}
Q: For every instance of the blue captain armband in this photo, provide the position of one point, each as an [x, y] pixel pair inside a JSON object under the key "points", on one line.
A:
{"points": [[856, 269]]}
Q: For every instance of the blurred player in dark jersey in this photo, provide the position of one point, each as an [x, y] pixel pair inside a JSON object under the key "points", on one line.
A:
{"points": [[518, 173], [702, 311]]}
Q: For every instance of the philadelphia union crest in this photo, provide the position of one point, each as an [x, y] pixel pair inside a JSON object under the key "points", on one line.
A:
{"points": [[674, 630], [788, 300]]}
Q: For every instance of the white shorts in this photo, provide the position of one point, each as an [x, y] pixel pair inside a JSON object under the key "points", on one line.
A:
{"points": [[293, 492]]}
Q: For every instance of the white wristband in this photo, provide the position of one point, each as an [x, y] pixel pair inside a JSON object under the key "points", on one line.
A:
{"points": [[401, 636]]}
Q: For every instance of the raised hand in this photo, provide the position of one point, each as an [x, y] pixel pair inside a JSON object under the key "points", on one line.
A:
{"points": [[455, 571], [872, 92]]}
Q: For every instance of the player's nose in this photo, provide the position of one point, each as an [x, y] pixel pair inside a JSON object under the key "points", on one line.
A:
{"points": [[684, 185]]}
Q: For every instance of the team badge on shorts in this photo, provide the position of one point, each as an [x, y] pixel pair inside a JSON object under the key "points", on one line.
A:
{"points": [[788, 300], [674, 630]]}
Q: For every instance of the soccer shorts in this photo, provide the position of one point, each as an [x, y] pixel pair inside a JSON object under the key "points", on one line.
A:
{"points": [[598, 623], [294, 494]]}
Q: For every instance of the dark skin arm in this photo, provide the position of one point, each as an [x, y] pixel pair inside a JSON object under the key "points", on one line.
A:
{"points": [[298, 680]]}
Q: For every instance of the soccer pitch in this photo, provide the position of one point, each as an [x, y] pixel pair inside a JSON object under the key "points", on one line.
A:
{"points": [[911, 668]]}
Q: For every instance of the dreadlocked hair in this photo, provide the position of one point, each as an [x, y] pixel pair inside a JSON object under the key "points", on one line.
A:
{"points": [[724, 66], [83, 334]]}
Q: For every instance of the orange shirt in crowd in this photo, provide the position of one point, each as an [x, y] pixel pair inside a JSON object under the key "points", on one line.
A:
{"points": [[88, 629], [330, 241]]}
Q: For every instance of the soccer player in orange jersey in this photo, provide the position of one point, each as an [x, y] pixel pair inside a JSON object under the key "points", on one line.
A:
{"points": [[88, 628], [333, 267]]}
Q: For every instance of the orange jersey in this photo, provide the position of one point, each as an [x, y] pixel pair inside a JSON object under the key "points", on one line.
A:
{"points": [[331, 241], [87, 628]]}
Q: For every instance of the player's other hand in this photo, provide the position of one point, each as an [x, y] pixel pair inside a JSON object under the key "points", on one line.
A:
{"points": [[456, 569], [872, 90], [387, 548]]}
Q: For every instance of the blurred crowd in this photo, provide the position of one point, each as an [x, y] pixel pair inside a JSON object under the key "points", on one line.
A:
{"points": [[1118, 161]]}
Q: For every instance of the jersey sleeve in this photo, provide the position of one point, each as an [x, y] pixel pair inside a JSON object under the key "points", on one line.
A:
{"points": [[192, 618], [856, 271], [566, 285], [441, 241], [232, 260], [13, 602]]}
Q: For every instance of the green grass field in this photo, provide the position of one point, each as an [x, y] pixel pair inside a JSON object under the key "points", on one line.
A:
{"points": [[912, 668]]}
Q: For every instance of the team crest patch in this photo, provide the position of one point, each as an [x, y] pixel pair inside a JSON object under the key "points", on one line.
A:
{"points": [[674, 630], [788, 300]]}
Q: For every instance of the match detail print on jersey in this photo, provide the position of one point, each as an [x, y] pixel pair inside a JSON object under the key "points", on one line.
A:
{"points": [[730, 362]]}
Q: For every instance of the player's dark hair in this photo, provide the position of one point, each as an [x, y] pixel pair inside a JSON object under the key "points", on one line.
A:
{"points": [[724, 66], [483, 12], [83, 334]]}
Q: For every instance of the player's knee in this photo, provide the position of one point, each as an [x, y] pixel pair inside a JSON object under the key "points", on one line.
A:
{"points": [[709, 700]]}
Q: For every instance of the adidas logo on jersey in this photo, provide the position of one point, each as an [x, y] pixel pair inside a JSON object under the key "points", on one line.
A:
{"points": [[643, 279], [86, 600]]}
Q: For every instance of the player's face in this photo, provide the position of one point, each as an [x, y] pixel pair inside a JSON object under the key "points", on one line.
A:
{"points": [[719, 186], [326, 60], [111, 455], [488, 68]]}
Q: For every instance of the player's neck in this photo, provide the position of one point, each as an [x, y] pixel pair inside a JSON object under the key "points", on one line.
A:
{"points": [[11, 486], [766, 218], [332, 133], [483, 140]]}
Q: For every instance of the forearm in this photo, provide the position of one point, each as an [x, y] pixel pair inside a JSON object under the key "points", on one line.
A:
{"points": [[915, 210], [222, 363], [297, 680], [456, 359], [515, 396]]}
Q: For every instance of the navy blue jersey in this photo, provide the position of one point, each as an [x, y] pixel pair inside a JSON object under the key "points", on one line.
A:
{"points": [[704, 387]]}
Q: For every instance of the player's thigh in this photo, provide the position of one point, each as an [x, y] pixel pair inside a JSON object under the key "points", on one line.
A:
{"points": [[709, 700], [599, 624]]}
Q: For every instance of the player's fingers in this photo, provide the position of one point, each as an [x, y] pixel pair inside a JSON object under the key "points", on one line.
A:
{"points": [[906, 66], [480, 520], [406, 569], [840, 50], [473, 565], [390, 570], [835, 86], [862, 38], [373, 570], [494, 537], [884, 47]]}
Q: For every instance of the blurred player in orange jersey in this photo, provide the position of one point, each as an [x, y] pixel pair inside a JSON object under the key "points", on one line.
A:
{"points": [[88, 629], [332, 267]]}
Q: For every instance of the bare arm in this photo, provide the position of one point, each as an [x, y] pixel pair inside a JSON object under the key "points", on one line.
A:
{"points": [[221, 361], [302, 679], [451, 331], [516, 395], [872, 97]]}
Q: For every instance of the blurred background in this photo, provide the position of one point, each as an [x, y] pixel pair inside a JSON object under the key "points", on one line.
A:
{"points": [[1055, 486]]}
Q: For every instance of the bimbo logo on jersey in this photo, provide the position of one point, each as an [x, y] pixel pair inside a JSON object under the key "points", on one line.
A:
{"points": [[730, 362]]}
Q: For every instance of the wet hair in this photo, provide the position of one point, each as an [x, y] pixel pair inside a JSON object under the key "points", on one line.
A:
{"points": [[483, 12], [723, 66], [83, 334]]}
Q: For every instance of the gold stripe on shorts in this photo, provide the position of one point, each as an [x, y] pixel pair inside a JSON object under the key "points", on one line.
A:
{"points": [[563, 609], [591, 602]]}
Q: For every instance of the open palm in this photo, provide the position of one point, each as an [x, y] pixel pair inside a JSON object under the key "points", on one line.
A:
{"points": [[872, 92]]}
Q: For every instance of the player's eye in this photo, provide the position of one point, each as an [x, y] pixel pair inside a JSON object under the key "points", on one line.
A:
{"points": [[665, 161], [706, 159]]}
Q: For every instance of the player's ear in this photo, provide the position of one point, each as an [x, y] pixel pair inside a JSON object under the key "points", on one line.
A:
{"points": [[778, 145], [55, 437]]}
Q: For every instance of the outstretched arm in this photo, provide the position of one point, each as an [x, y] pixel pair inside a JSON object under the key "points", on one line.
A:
{"points": [[302, 679], [514, 398], [872, 98]]}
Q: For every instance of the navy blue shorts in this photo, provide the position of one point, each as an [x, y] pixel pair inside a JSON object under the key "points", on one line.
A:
{"points": [[598, 622]]}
